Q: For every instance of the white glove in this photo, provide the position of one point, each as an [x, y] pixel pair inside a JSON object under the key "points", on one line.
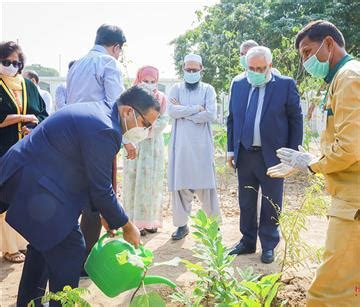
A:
{"points": [[297, 159], [281, 170]]}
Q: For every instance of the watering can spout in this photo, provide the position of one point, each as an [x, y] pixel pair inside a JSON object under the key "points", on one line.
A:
{"points": [[150, 280]]}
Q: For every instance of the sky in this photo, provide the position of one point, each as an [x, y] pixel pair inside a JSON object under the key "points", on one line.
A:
{"points": [[53, 33]]}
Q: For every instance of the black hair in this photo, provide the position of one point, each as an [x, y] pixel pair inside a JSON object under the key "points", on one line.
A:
{"points": [[30, 74], [140, 99], [71, 64], [192, 86], [318, 30], [108, 35], [8, 48]]}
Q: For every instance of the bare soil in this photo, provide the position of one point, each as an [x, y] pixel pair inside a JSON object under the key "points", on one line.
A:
{"points": [[295, 283]]}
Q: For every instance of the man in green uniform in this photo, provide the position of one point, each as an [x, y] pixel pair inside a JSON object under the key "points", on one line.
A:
{"points": [[322, 48]]}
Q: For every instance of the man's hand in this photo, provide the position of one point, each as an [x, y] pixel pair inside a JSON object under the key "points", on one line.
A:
{"points": [[29, 118], [111, 232], [131, 151], [25, 130], [281, 170], [230, 162], [131, 234], [174, 101], [297, 159]]}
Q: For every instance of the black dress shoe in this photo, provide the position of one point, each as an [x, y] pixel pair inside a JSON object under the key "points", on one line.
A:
{"points": [[180, 233], [242, 249], [151, 230], [268, 256]]}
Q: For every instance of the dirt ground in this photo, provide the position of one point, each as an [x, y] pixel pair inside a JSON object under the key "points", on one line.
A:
{"points": [[296, 283]]}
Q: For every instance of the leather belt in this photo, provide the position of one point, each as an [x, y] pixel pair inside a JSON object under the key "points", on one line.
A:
{"points": [[255, 148]]}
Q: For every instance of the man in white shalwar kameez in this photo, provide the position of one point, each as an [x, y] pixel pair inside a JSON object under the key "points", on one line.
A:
{"points": [[191, 152]]}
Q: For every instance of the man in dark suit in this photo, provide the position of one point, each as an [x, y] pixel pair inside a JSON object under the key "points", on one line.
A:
{"points": [[47, 179], [264, 113]]}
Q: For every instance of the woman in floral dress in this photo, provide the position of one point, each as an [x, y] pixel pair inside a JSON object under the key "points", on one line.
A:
{"points": [[143, 177]]}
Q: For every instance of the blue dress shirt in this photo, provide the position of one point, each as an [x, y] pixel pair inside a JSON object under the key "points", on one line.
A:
{"points": [[95, 77]]}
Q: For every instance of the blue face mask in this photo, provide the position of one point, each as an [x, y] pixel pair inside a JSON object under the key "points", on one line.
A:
{"points": [[316, 68], [256, 78], [243, 62], [192, 77]]}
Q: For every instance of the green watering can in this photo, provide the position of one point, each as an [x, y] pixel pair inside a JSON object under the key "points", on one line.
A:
{"points": [[111, 274]]}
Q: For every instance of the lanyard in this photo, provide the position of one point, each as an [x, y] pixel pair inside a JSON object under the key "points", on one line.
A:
{"points": [[12, 97]]}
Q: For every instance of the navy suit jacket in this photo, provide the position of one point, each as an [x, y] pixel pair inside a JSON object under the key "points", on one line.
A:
{"points": [[49, 177], [281, 122]]}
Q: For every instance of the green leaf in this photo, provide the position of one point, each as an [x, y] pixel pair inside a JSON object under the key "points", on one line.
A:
{"points": [[202, 217], [194, 267], [140, 301], [248, 274], [249, 302], [252, 286], [198, 292], [267, 282], [270, 297], [213, 230], [198, 234], [151, 299]]}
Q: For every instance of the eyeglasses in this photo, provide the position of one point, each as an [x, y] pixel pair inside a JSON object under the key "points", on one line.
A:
{"points": [[7, 63], [191, 70], [146, 122]]}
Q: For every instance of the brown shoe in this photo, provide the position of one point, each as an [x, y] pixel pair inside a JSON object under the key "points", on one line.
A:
{"points": [[15, 257]]}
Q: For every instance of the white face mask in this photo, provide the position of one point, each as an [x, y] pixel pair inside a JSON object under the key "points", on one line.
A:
{"points": [[10, 70], [149, 86], [137, 134]]}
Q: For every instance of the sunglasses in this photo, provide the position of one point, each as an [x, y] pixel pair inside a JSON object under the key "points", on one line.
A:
{"points": [[7, 63]]}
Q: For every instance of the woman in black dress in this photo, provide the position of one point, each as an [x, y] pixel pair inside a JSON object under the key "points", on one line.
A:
{"points": [[21, 109]]}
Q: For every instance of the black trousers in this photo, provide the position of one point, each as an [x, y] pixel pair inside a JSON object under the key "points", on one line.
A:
{"points": [[90, 227], [91, 223], [252, 173], [61, 266]]}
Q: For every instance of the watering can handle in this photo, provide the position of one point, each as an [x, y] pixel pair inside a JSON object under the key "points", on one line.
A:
{"points": [[117, 233], [106, 236]]}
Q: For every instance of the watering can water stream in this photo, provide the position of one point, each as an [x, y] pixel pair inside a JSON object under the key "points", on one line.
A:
{"points": [[113, 276]]}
